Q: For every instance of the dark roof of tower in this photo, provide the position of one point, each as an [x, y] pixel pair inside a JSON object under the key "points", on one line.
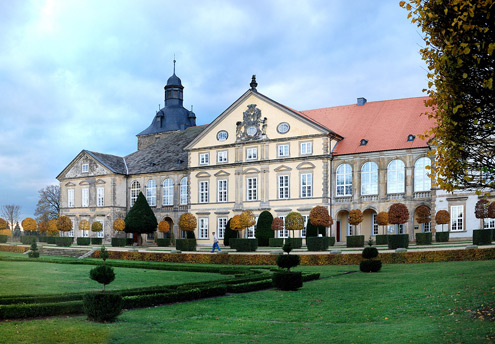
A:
{"points": [[174, 80]]}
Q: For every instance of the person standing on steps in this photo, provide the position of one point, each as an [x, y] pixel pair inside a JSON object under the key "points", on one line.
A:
{"points": [[215, 243]]}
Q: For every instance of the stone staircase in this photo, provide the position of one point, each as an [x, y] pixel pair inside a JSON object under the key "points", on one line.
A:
{"points": [[64, 252]]}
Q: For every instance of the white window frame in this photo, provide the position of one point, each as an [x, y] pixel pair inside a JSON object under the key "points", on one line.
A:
{"points": [[421, 180], [203, 228], [426, 227], [183, 190], [303, 231], [251, 188], [70, 198], [167, 192], [283, 186], [135, 190], [101, 234], [251, 231], [151, 193], [222, 157], [343, 180], [374, 225], [456, 218], [282, 233], [252, 153], [306, 185], [203, 191], [488, 223], [85, 168], [100, 196], [369, 179], [396, 177], [283, 150], [222, 190], [85, 197], [306, 148], [204, 158], [221, 225]]}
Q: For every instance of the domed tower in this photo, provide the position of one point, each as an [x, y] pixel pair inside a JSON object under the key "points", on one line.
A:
{"points": [[173, 116]]}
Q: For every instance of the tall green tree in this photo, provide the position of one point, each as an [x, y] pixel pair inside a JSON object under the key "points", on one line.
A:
{"points": [[229, 233], [140, 218], [264, 228], [459, 53]]}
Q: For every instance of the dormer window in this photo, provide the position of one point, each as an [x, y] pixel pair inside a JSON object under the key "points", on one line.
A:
{"points": [[411, 138], [363, 142], [85, 168]]}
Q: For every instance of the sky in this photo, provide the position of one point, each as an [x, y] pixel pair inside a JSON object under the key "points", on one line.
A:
{"points": [[89, 74]]}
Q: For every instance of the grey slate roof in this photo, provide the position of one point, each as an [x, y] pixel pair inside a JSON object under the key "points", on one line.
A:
{"points": [[167, 154], [114, 163]]}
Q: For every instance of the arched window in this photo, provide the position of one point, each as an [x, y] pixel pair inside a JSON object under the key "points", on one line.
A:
{"points": [[344, 180], [151, 193], [395, 177], [421, 180], [369, 179], [168, 192], [183, 191], [135, 189]]}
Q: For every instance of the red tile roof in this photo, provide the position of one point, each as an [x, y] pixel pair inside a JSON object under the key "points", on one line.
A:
{"points": [[385, 124]]}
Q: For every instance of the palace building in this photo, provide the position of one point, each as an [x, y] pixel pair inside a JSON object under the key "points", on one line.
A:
{"points": [[262, 155]]}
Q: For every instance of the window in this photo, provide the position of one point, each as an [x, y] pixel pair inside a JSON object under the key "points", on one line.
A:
{"points": [[70, 198], [151, 193], [369, 179], [283, 150], [222, 190], [85, 168], [222, 223], [168, 192], [306, 185], [421, 180], [283, 128], [426, 227], [303, 231], [252, 189], [401, 229], [283, 233], [251, 231], [395, 177], [85, 197], [183, 190], [71, 232], [374, 225], [283, 187], [488, 223], [252, 153], [222, 157], [100, 196], [456, 218], [204, 158], [135, 189], [203, 228], [203, 192], [344, 180], [101, 233], [222, 135], [306, 148]]}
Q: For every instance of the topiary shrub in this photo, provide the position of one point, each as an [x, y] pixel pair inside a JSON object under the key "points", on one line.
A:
{"points": [[381, 239], [442, 236], [64, 241], [27, 239], [3, 238], [355, 241], [244, 245], [34, 253], [370, 265], [288, 261], [163, 242], [119, 242], [276, 242], [97, 241], [482, 237], [185, 244], [424, 238], [83, 241], [287, 280], [102, 307], [295, 242], [398, 241], [315, 244], [102, 274], [264, 228], [369, 252]]}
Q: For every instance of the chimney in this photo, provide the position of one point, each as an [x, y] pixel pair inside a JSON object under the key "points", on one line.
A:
{"points": [[361, 101]]}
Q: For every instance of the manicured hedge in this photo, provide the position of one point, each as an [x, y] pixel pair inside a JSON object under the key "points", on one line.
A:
{"points": [[129, 241], [331, 241], [442, 236], [42, 238], [83, 241], [163, 242], [119, 242], [398, 241], [96, 241], [3, 239], [185, 244], [14, 249], [482, 237], [315, 244], [50, 239], [355, 241], [370, 265], [424, 238], [295, 242], [27, 239], [276, 242], [244, 245], [102, 307], [287, 280], [64, 241], [19, 311], [381, 239]]}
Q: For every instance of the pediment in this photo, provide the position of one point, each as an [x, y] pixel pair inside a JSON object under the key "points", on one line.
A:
{"points": [[283, 168], [70, 184], [305, 166], [222, 173], [84, 183], [100, 181], [203, 175], [251, 170]]}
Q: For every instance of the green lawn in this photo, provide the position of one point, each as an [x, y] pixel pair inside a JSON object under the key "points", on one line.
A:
{"points": [[421, 303]]}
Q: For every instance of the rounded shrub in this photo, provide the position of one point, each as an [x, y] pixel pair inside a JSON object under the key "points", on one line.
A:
{"points": [[369, 253], [102, 274], [285, 280], [102, 307], [370, 265], [288, 261]]}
